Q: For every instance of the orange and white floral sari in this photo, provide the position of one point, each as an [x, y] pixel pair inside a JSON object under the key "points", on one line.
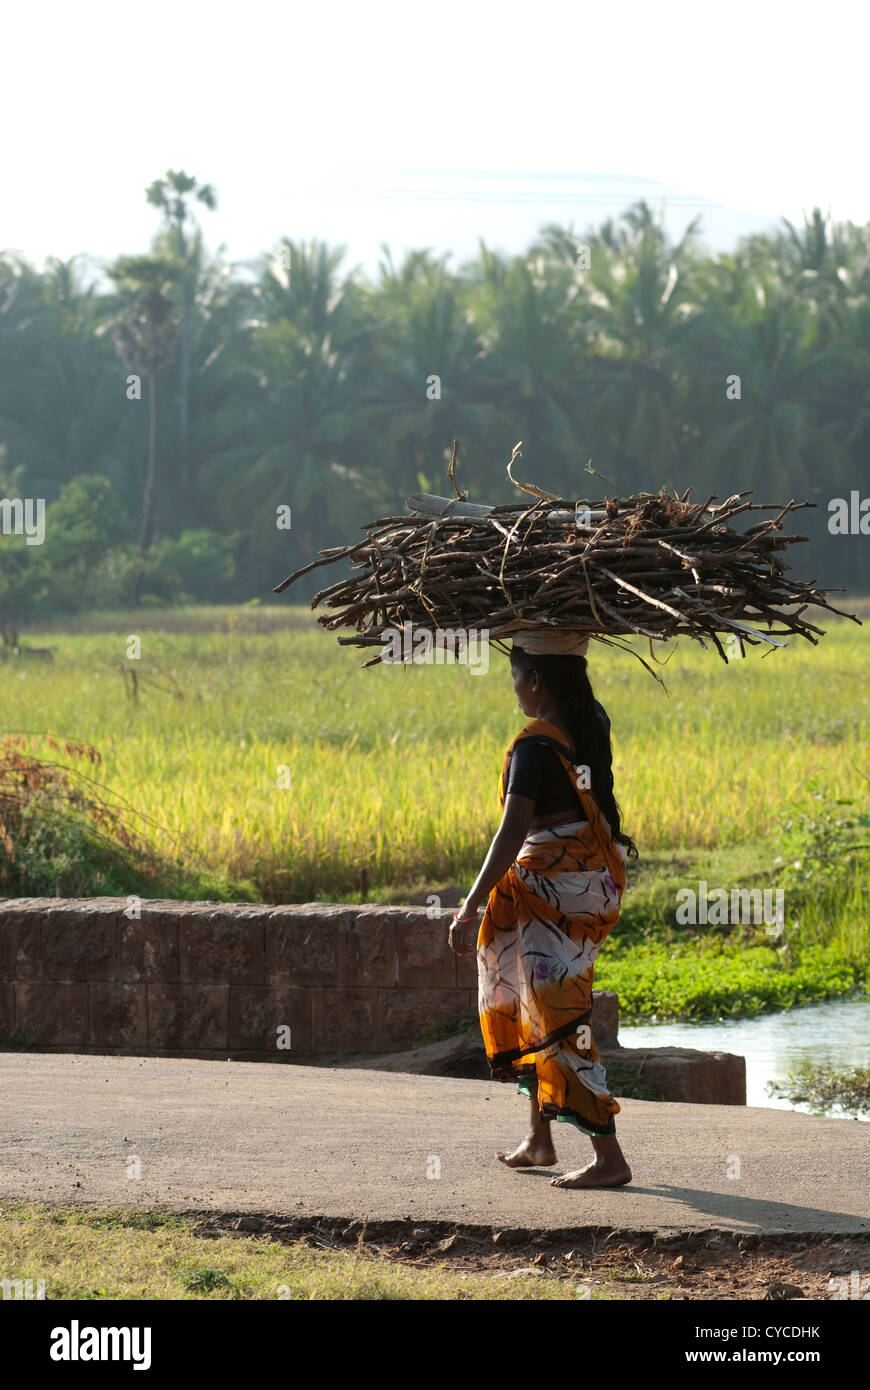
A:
{"points": [[544, 924]]}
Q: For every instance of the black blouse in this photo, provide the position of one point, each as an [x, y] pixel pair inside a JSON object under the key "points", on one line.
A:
{"points": [[535, 771]]}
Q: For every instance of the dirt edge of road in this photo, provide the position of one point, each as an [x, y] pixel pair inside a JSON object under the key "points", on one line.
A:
{"points": [[711, 1265]]}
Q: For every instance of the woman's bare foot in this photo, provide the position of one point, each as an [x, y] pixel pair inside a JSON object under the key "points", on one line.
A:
{"points": [[533, 1152], [597, 1174]]}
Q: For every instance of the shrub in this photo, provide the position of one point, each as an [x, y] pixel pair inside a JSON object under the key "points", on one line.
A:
{"points": [[204, 562], [58, 836]]}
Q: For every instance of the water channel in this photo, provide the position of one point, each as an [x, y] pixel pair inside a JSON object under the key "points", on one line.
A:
{"points": [[833, 1033]]}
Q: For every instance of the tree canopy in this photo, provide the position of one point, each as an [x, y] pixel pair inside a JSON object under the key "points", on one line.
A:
{"points": [[297, 383]]}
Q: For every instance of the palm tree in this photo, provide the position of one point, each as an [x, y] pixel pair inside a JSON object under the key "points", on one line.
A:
{"points": [[173, 195], [292, 425], [812, 265], [221, 354], [144, 336], [526, 315], [639, 297], [52, 350], [423, 384], [775, 429]]}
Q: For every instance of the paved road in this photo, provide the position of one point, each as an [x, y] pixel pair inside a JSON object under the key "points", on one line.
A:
{"points": [[313, 1141]]}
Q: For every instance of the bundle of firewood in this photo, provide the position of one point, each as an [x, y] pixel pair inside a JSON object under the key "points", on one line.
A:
{"points": [[652, 565]]}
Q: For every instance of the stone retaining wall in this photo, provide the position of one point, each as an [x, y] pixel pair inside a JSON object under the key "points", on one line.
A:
{"points": [[220, 980]]}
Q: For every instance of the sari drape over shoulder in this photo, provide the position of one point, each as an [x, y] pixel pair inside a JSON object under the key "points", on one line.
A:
{"points": [[544, 924]]}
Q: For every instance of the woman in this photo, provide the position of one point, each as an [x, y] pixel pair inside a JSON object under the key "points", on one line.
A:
{"points": [[553, 880]]}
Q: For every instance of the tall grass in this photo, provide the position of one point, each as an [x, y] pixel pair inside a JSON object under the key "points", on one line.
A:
{"points": [[276, 760]]}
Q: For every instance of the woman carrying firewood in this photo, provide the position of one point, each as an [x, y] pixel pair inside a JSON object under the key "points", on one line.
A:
{"points": [[552, 881]]}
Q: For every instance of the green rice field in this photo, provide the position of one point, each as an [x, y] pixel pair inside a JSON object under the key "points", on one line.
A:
{"points": [[266, 759]]}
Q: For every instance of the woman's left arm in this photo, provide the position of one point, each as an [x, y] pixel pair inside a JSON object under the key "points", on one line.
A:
{"points": [[506, 844]]}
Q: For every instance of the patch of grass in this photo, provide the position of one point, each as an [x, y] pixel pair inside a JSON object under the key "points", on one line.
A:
{"points": [[116, 1219], [625, 1080], [204, 1280], [628, 1276], [711, 979], [88, 1255], [443, 1026], [824, 1087]]}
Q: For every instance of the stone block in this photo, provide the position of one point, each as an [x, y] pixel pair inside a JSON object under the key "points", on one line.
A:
{"points": [[20, 933], [306, 945], [466, 969], [257, 1012], [118, 1015], [185, 1016], [7, 1009], [148, 945], [688, 1075], [371, 949], [225, 945], [605, 1017], [79, 940], [406, 1012], [52, 1014], [346, 1019], [424, 956]]}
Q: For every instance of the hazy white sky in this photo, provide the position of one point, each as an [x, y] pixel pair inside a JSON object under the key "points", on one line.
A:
{"points": [[426, 124]]}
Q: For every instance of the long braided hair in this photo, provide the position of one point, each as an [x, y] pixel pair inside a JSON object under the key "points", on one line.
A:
{"points": [[567, 681]]}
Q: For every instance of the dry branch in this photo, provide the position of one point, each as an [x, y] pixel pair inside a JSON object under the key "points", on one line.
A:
{"points": [[652, 564]]}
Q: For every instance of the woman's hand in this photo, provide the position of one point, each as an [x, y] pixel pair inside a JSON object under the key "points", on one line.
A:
{"points": [[506, 844], [459, 935]]}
